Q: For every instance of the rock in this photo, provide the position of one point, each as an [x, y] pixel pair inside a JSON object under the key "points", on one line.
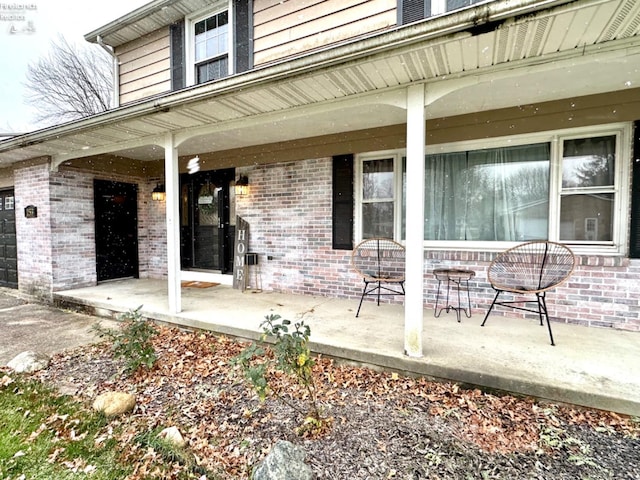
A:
{"points": [[285, 462], [28, 362], [173, 435], [114, 403]]}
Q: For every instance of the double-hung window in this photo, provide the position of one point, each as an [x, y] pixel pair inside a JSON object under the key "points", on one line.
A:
{"points": [[378, 196], [566, 186], [209, 51]]}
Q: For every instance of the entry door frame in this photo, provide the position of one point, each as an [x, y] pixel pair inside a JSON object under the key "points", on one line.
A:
{"points": [[193, 240], [116, 226], [8, 240]]}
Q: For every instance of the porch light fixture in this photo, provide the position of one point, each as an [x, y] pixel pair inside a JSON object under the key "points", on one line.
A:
{"points": [[158, 193], [242, 185]]}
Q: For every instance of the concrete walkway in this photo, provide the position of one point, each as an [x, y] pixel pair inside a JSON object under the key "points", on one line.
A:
{"points": [[593, 367], [25, 325]]}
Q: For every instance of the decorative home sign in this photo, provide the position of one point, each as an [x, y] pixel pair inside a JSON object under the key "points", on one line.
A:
{"points": [[239, 251], [31, 211]]}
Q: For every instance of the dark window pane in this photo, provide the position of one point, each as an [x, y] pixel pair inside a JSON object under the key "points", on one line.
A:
{"points": [[223, 18], [200, 27], [212, 70], [377, 220]]}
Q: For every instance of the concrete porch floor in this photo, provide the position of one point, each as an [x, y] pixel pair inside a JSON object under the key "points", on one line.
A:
{"points": [[592, 367]]}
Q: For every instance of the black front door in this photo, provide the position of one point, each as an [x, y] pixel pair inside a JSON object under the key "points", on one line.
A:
{"points": [[206, 230], [116, 209], [8, 248]]}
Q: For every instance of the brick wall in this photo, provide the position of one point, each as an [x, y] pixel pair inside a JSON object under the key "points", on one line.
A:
{"points": [[602, 291], [152, 232], [73, 230], [56, 250], [289, 213], [34, 234]]}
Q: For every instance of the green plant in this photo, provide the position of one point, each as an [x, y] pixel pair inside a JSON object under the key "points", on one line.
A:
{"points": [[554, 438], [291, 355], [46, 435], [132, 341]]}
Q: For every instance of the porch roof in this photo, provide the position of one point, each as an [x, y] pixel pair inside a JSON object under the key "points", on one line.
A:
{"points": [[494, 55], [589, 366]]}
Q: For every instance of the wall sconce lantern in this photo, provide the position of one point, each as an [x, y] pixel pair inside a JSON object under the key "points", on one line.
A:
{"points": [[242, 185], [158, 193]]}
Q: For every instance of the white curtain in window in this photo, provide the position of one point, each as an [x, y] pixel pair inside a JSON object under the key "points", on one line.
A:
{"points": [[498, 194]]}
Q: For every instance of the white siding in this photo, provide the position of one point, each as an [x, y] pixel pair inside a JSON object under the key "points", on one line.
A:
{"points": [[282, 29]]}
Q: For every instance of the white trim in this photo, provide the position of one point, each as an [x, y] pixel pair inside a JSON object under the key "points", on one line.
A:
{"points": [[172, 205], [414, 263], [397, 188], [190, 21]]}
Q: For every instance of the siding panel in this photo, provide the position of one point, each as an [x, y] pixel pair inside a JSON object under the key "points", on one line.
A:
{"points": [[145, 68], [284, 29]]}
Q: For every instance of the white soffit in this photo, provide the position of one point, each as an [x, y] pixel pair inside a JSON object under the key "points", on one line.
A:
{"points": [[580, 48]]}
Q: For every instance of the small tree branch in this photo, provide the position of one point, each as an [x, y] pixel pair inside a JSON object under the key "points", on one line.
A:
{"points": [[69, 82]]}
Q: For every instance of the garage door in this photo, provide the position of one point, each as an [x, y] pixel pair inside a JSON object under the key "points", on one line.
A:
{"points": [[8, 250]]}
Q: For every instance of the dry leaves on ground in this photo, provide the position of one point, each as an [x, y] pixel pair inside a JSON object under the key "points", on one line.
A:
{"points": [[383, 425]]}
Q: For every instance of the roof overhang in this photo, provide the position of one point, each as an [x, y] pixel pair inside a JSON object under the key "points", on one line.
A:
{"points": [[495, 55]]}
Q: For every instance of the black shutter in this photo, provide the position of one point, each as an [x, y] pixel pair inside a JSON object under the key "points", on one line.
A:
{"points": [[634, 240], [177, 54], [343, 202], [413, 10], [243, 25]]}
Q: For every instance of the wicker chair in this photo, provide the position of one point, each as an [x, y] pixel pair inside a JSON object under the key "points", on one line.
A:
{"points": [[532, 268], [380, 262]]}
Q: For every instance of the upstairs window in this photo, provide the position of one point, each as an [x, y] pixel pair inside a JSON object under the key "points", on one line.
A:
{"points": [[211, 47], [212, 44], [413, 10]]}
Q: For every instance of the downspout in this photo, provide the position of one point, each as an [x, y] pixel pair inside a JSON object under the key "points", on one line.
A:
{"points": [[116, 71]]}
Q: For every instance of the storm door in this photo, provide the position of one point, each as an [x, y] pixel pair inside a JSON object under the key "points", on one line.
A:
{"points": [[8, 247], [207, 217], [116, 209]]}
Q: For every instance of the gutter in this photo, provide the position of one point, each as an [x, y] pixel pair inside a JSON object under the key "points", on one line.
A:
{"points": [[116, 70], [128, 19], [464, 22]]}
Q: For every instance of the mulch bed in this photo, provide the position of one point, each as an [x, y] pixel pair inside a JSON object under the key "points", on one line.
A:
{"points": [[381, 425]]}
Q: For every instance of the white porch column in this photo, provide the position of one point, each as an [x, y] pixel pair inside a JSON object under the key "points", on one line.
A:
{"points": [[413, 303], [172, 186]]}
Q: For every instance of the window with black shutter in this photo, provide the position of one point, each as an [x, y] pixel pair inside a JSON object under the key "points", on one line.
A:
{"points": [[413, 10], [634, 240], [202, 47], [176, 32], [243, 25], [343, 202]]}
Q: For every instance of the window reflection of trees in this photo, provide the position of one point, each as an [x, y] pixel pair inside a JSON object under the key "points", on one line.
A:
{"points": [[491, 194]]}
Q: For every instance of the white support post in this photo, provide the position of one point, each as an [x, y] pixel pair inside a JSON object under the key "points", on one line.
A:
{"points": [[172, 185], [414, 268]]}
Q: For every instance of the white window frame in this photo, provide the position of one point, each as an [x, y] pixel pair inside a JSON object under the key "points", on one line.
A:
{"points": [[397, 188], [190, 21], [621, 190]]}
